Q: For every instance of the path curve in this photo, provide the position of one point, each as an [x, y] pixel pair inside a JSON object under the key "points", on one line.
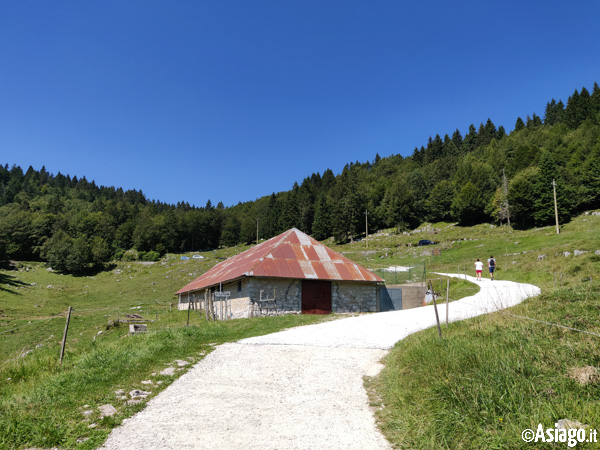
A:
{"points": [[296, 389]]}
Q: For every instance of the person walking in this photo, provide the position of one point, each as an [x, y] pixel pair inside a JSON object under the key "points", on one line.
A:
{"points": [[492, 266], [478, 269]]}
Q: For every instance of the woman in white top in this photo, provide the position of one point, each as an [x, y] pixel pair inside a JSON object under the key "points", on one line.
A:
{"points": [[478, 269]]}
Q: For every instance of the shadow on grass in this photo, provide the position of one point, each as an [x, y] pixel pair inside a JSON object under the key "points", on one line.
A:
{"points": [[89, 271], [11, 281]]}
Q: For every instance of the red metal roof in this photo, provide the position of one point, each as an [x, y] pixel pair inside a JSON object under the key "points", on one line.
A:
{"points": [[292, 254]]}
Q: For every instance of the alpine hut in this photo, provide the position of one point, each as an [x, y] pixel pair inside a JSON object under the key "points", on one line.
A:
{"points": [[299, 272]]}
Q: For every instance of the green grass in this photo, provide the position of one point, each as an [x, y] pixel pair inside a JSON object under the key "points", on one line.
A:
{"points": [[42, 403], [480, 386], [493, 376]]}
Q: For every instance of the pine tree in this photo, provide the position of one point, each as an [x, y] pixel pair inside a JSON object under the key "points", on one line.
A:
{"points": [[457, 139], [470, 142], [585, 104], [550, 117], [321, 227], [418, 155], [519, 125], [573, 111], [595, 102], [500, 133]]}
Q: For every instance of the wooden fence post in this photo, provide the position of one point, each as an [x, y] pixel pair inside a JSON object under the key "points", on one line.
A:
{"points": [[447, 294], [437, 317], [188, 315], [64, 341]]}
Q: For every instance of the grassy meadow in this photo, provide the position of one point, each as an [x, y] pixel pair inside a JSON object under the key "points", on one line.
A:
{"points": [[480, 386], [46, 405], [491, 377]]}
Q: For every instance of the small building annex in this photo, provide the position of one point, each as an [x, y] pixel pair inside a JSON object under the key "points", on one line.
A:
{"points": [[304, 275]]}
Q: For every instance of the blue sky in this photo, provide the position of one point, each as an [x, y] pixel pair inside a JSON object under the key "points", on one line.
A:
{"points": [[233, 100]]}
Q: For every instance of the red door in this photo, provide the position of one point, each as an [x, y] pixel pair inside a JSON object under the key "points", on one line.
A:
{"points": [[316, 297]]}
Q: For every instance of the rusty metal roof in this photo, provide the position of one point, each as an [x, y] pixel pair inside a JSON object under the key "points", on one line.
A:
{"points": [[292, 254]]}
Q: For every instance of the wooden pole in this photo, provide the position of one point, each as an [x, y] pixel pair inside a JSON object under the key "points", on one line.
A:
{"points": [[188, 315], [447, 295], [437, 316], [367, 228], [206, 303], [555, 207], [64, 341], [257, 230]]}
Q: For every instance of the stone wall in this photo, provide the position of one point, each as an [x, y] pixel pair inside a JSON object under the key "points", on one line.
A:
{"points": [[288, 293], [348, 297]]}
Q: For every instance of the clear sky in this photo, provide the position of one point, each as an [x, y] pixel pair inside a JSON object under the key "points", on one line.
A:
{"points": [[232, 100]]}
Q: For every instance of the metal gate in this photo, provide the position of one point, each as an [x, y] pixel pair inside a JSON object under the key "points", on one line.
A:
{"points": [[390, 298]]}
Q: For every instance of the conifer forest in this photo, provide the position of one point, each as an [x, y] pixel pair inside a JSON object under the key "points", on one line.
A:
{"points": [[483, 175]]}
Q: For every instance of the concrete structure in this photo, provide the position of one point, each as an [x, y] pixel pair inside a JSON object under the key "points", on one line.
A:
{"points": [[302, 275]]}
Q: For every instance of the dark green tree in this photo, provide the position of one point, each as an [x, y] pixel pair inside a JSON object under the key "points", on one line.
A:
{"points": [[521, 198], [519, 124], [544, 193], [439, 203], [321, 227]]}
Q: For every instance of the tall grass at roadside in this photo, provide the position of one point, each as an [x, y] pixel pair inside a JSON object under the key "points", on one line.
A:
{"points": [[493, 376], [42, 404]]}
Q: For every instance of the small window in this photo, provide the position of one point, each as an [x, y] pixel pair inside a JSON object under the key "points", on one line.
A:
{"points": [[240, 286]]}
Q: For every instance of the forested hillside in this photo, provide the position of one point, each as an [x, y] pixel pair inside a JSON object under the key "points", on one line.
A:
{"points": [[485, 175]]}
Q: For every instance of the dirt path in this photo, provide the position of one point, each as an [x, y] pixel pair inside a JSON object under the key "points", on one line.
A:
{"points": [[296, 389]]}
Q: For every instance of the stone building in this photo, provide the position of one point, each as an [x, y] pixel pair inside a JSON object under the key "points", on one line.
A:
{"points": [[302, 275]]}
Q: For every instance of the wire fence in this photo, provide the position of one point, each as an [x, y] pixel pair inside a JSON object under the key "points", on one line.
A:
{"points": [[416, 273]]}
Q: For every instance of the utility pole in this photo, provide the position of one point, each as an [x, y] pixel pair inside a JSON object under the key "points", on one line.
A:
{"points": [[555, 207], [257, 220], [505, 205], [367, 227]]}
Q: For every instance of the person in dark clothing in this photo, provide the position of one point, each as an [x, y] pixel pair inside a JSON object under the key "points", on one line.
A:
{"points": [[492, 266]]}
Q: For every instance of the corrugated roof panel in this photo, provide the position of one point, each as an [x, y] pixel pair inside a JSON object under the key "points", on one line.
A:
{"points": [[287, 271], [353, 272], [322, 253], [332, 272], [299, 253], [320, 270], [311, 253], [308, 270], [343, 271], [293, 236], [283, 251]]}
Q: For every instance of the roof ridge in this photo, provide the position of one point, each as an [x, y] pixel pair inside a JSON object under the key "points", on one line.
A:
{"points": [[282, 237]]}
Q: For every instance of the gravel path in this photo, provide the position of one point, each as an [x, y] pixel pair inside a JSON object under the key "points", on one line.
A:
{"points": [[296, 389]]}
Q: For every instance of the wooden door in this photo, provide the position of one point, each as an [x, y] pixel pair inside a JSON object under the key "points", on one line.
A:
{"points": [[316, 297]]}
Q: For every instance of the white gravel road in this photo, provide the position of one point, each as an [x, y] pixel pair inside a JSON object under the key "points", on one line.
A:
{"points": [[297, 389]]}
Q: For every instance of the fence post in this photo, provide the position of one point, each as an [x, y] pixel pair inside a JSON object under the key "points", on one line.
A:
{"points": [[437, 317], [447, 295], [64, 341]]}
